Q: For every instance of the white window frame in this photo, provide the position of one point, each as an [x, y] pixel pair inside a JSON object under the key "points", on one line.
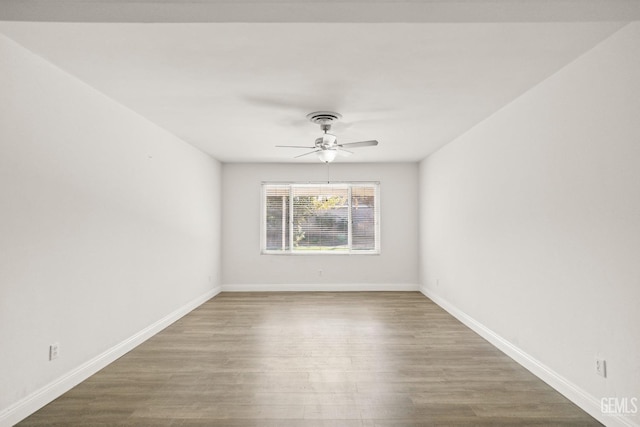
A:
{"points": [[291, 250]]}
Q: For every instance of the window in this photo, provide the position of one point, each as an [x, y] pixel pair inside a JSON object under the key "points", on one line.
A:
{"points": [[320, 218]]}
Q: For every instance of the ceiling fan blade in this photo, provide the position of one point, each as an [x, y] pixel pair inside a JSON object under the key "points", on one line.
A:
{"points": [[306, 154], [294, 146], [344, 153], [359, 144]]}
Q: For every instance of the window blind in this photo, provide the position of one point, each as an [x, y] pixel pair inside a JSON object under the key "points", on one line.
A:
{"points": [[277, 217], [321, 218]]}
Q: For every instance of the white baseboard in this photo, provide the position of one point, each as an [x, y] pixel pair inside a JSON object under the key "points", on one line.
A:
{"points": [[31, 403], [320, 287], [571, 391]]}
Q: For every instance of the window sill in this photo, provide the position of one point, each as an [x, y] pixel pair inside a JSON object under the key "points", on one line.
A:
{"points": [[321, 253]]}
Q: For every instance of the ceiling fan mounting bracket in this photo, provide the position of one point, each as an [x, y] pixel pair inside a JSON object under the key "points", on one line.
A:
{"points": [[324, 118]]}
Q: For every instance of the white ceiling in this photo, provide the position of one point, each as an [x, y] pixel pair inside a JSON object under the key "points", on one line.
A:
{"points": [[236, 89]]}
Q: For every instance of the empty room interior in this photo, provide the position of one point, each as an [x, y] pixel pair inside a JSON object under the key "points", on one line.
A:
{"points": [[297, 213]]}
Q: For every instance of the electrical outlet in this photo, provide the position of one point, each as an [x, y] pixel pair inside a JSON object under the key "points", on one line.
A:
{"points": [[54, 351], [319, 273], [601, 367]]}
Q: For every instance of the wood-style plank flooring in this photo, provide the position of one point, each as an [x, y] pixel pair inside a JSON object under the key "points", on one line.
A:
{"points": [[313, 359]]}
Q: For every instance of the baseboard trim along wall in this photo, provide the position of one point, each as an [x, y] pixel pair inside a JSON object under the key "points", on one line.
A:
{"points": [[571, 391], [31, 403], [320, 287]]}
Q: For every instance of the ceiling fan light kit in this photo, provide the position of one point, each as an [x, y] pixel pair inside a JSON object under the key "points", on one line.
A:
{"points": [[326, 147], [327, 156]]}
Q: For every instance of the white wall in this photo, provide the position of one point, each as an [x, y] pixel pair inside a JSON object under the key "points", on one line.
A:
{"points": [[530, 223], [108, 225], [245, 268]]}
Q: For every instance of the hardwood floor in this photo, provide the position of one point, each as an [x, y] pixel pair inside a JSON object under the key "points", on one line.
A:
{"points": [[313, 359]]}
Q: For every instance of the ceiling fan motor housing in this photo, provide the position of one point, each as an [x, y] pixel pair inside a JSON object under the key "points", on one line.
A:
{"points": [[326, 141]]}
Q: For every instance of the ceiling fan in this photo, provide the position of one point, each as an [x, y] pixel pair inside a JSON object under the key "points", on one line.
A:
{"points": [[327, 147]]}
